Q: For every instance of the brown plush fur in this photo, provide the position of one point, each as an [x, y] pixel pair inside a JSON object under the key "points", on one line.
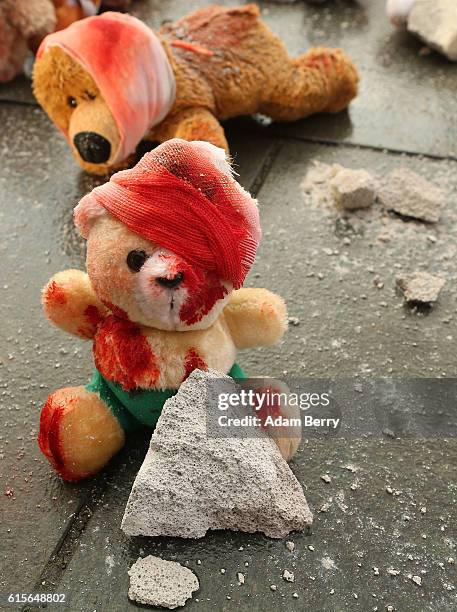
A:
{"points": [[235, 66]]}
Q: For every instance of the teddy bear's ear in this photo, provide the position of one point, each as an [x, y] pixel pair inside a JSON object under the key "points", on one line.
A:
{"points": [[86, 213]]}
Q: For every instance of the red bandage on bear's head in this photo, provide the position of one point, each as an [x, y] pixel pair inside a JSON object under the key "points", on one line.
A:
{"points": [[130, 68], [182, 197]]}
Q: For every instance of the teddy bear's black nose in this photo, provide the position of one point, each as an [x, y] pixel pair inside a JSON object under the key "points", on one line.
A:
{"points": [[92, 147], [170, 283]]}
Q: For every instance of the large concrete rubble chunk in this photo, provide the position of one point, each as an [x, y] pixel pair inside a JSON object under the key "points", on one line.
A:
{"points": [[190, 482], [411, 195], [435, 22]]}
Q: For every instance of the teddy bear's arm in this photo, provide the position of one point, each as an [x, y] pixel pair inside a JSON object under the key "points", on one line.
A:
{"points": [[256, 317], [70, 303], [191, 124]]}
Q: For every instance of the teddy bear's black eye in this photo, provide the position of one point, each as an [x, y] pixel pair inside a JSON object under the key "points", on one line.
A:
{"points": [[72, 102], [135, 260]]}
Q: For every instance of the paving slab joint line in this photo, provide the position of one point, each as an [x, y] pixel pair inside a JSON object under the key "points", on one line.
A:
{"points": [[355, 145], [55, 567], [264, 170], [323, 141], [19, 103]]}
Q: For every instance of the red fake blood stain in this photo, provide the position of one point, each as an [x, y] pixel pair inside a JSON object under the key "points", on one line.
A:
{"points": [[106, 40], [324, 62], [122, 354], [204, 290], [192, 362], [118, 312], [93, 315], [49, 435], [192, 47], [93, 318], [54, 294]]}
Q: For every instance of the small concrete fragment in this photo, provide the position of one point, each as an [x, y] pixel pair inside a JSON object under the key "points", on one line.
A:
{"points": [[409, 194], [191, 482], [156, 582], [288, 576], [435, 22], [353, 189], [421, 287]]}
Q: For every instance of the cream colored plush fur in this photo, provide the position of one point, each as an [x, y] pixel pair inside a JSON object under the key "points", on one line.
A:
{"points": [[80, 302]]}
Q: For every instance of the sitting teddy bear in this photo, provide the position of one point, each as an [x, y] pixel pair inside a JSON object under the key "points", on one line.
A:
{"points": [[108, 82], [169, 244], [24, 24]]}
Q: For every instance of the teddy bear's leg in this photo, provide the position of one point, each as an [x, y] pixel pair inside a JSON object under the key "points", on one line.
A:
{"points": [[287, 435], [78, 433], [191, 124], [289, 440], [322, 80]]}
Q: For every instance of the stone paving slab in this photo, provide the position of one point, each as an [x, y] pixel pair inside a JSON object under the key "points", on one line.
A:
{"points": [[365, 546], [339, 334], [19, 91], [407, 101], [39, 186], [347, 326]]}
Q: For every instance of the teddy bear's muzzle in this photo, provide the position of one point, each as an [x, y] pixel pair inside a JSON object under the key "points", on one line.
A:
{"points": [[92, 147]]}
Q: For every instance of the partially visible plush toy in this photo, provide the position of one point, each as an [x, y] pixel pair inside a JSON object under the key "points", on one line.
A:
{"points": [[434, 21], [169, 244], [398, 11], [108, 82], [21, 21], [24, 24]]}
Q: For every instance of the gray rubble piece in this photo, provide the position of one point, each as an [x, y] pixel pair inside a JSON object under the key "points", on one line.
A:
{"points": [[409, 194], [435, 22], [191, 482], [156, 582], [353, 189], [421, 287]]}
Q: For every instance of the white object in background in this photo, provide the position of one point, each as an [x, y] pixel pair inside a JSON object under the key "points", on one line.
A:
{"points": [[435, 22], [398, 11]]}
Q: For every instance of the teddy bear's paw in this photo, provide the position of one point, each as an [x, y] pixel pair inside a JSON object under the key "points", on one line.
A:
{"points": [[280, 419], [339, 73], [288, 447], [78, 433]]}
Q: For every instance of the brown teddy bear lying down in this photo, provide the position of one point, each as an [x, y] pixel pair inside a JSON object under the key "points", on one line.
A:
{"points": [[109, 82]]}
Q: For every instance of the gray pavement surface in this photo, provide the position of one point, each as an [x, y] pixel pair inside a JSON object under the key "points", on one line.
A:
{"points": [[65, 538]]}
